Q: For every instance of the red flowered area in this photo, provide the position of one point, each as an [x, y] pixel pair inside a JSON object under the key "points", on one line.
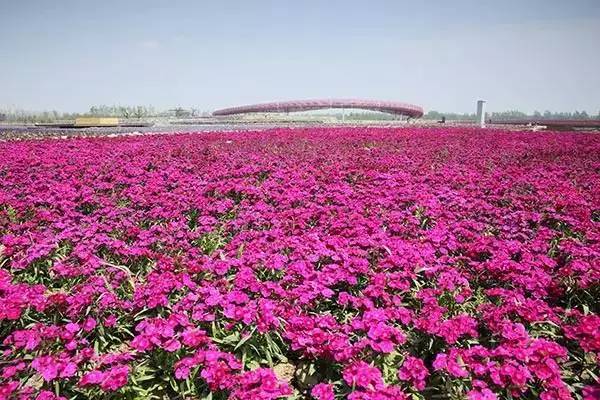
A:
{"points": [[356, 263]]}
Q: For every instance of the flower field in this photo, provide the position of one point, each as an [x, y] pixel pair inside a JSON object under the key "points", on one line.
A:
{"points": [[310, 263]]}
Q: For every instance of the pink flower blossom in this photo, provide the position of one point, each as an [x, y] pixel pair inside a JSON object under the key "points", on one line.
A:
{"points": [[259, 384], [322, 391], [51, 368], [481, 394], [362, 375], [591, 392], [414, 371], [115, 378]]}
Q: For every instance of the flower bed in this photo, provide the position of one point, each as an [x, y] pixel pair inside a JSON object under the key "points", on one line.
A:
{"points": [[359, 263]]}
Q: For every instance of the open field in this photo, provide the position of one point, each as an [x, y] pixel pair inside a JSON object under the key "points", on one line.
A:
{"points": [[367, 263]]}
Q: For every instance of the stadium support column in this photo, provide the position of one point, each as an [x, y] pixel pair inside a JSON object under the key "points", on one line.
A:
{"points": [[481, 113]]}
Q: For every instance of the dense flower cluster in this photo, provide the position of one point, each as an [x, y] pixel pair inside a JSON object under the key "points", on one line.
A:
{"points": [[312, 263]]}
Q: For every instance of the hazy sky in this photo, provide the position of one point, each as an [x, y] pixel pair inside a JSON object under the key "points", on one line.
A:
{"points": [[443, 55]]}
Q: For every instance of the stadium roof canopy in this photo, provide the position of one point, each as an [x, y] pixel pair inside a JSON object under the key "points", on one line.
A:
{"points": [[390, 107]]}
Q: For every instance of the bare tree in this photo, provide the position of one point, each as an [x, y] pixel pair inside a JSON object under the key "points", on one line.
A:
{"points": [[125, 112], [140, 112]]}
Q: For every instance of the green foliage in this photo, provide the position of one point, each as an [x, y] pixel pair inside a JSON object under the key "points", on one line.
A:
{"points": [[211, 241], [436, 115]]}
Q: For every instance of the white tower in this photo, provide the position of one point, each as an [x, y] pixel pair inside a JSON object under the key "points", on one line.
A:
{"points": [[481, 113]]}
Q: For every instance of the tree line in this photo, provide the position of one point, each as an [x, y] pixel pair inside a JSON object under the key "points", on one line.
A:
{"points": [[125, 112], [513, 114]]}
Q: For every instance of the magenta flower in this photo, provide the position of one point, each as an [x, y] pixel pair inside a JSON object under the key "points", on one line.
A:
{"points": [[322, 391], [115, 378], [591, 392], [89, 324], [481, 394], [47, 395], [414, 371], [362, 375], [50, 367], [111, 379], [92, 378], [259, 384]]}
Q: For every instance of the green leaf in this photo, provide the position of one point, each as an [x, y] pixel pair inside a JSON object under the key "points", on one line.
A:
{"points": [[244, 339]]}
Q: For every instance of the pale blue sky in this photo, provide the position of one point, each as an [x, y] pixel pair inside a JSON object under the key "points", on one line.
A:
{"points": [[443, 55]]}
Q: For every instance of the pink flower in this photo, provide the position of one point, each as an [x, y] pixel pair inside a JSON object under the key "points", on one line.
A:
{"points": [[110, 380], [47, 395], [92, 378], [450, 364], [8, 388], [50, 367], [414, 371], [362, 375], [481, 394], [586, 332], [172, 345], [384, 393], [115, 378], [110, 321], [68, 370], [591, 392], [322, 391], [89, 324], [193, 337], [72, 327], [183, 367], [514, 332], [261, 384], [11, 370], [383, 337]]}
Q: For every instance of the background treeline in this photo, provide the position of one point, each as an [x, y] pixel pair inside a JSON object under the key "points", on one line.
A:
{"points": [[125, 112], [502, 115], [513, 114]]}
